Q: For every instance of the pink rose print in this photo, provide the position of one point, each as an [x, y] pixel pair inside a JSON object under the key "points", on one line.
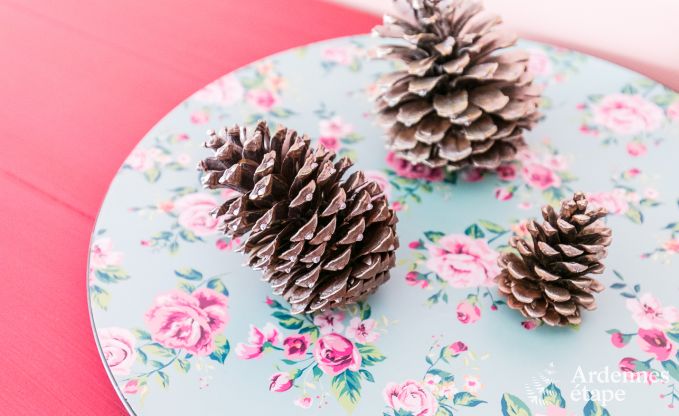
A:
{"points": [[457, 347], [520, 229], [329, 321], [131, 387], [672, 245], [673, 111], [118, 346], [256, 341], [342, 55], [200, 117], [636, 149], [503, 194], [473, 175], [334, 354], [226, 90], [614, 201], [295, 346], [412, 279], [411, 396], [407, 170], [304, 402], [506, 172], [540, 176], [363, 331], [330, 143], [334, 127], [467, 312], [280, 382], [539, 63], [618, 340], [627, 114], [188, 321], [141, 160], [529, 325], [380, 179], [194, 212], [649, 313], [102, 254], [463, 261], [628, 364], [655, 342], [262, 99]]}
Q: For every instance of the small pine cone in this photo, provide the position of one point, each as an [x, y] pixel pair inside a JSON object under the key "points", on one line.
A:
{"points": [[460, 101], [320, 241], [550, 278]]}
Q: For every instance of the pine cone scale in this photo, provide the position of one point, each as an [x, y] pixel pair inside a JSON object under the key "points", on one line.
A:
{"points": [[549, 277], [305, 225]]}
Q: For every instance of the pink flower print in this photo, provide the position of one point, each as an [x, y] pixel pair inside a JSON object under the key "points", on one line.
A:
{"points": [[651, 193], [655, 342], [304, 402], [473, 175], [457, 347], [529, 325], [363, 331], [295, 346], [280, 382], [506, 172], [200, 117], [463, 261], [334, 127], [195, 213], [329, 321], [472, 384], [540, 176], [102, 254], [539, 63], [618, 340], [431, 381], [503, 194], [380, 179], [407, 170], [228, 243], [257, 340], [649, 313], [118, 347], [614, 201], [673, 111], [226, 90], [342, 55], [412, 279], [184, 159], [467, 312], [628, 365], [627, 114], [672, 245], [330, 143], [262, 99], [131, 387], [636, 149], [520, 229], [188, 321], [141, 160], [557, 163], [410, 396], [334, 354]]}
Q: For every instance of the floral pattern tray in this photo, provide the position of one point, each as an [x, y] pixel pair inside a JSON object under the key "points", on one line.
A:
{"points": [[184, 329]]}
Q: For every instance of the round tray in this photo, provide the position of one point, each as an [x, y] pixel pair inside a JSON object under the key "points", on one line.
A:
{"points": [[184, 328]]}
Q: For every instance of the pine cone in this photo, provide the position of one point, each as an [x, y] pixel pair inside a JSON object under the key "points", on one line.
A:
{"points": [[550, 280], [459, 102], [320, 241]]}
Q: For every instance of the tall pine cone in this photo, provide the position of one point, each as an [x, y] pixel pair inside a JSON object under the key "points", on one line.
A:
{"points": [[459, 101], [320, 241], [550, 280]]}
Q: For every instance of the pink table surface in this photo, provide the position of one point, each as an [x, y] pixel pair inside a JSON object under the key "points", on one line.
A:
{"points": [[81, 83]]}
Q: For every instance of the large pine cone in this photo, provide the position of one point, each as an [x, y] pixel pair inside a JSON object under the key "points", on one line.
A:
{"points": [[320, 241], [459, 102], [549, 280]]}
